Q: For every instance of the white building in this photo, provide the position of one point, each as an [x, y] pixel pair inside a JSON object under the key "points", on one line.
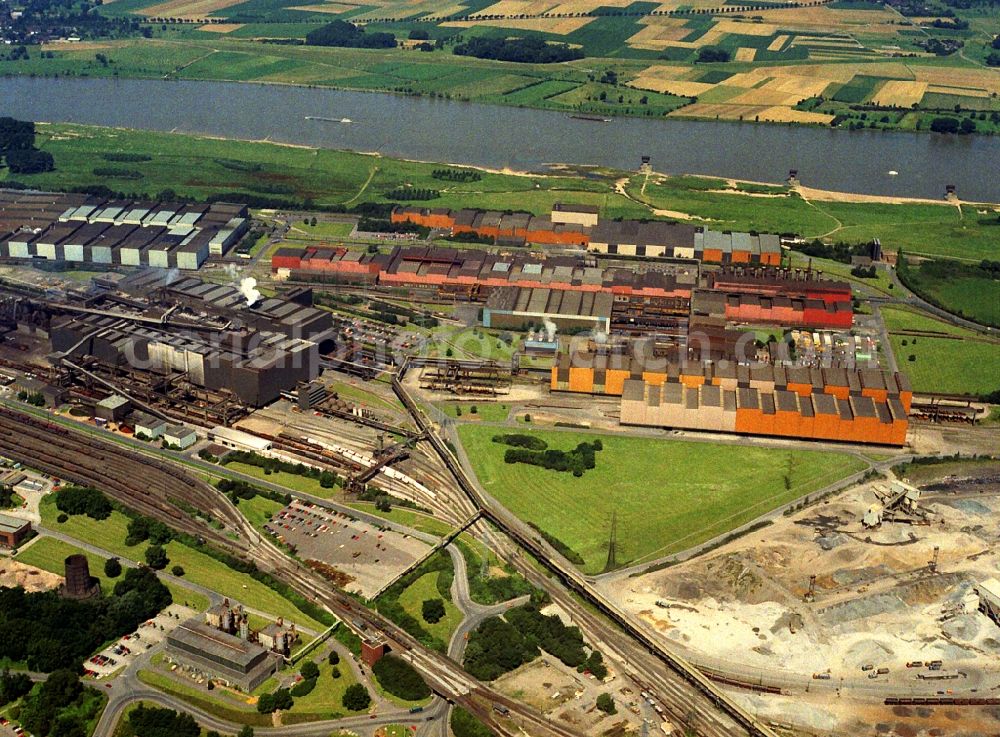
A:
{"points": [[180, 436]]}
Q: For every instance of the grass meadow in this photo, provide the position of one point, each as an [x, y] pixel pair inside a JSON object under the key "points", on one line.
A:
{"points": [[668, 495]]}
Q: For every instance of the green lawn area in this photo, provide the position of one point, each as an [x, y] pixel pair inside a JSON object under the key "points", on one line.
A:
{"points": [[49, 554], [905, 318], [425, 588], [326, 700], [198, 568], [486, 411], [223, 707], [960, 365], [290, 481], [321, 230], [259, 510], [668, 495]]}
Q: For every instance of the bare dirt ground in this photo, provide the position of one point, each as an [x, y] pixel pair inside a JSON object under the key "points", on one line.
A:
{"points": [[14, 573]]}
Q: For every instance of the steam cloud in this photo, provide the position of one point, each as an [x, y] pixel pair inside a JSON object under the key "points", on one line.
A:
{"points": [[248, 288], [550, 330]]}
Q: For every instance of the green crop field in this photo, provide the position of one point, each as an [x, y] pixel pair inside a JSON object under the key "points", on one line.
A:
{"points": [[964, 289], [668, 495], [898, 319], [198, 568]]}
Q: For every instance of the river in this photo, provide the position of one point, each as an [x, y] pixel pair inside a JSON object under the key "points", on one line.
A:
{"points": [[519, 138]]}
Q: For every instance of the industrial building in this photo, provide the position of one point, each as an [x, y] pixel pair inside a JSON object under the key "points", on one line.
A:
{"points": [[750, 411], [580, 226], [519, 308], [220, 655], [254, 366], [179, 436], [82, 229], [989, 599], [593, 371], [238, 440], [13, 531]]}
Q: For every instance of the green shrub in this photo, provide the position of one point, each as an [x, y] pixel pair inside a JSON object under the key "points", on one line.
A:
{"points": [[400, 679]]}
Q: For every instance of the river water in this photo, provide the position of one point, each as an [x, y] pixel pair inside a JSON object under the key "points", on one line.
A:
{"points": [[520, 138]]}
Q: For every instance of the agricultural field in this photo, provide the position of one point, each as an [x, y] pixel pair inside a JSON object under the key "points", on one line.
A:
{"points": [[854, 64], [970, 291], [668, 495]]}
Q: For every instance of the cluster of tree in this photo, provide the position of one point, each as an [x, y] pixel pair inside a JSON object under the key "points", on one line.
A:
{"points": [[993, 59], [155, 722], [279, 700], [519, 440], [840, 252], [36, 399], [342, 33], [141, 529], [501, 645], [951, 24], [13, 686], [83, 500], [310, 676], [941, 46], [457, 175], [432, 610], [243, 490], [60, 707], [400, 678], [17, 145], [33, 625], [464, 724], [356, 697], [384, 225], [525, 50], [409, 194], [326, 479], [864, 272], [116, 172], [711, 54], [578, 460], [126, 157], [606, 704], [470, 238], [953, 125]]}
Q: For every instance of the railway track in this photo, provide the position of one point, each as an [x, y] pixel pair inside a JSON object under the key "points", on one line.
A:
{"points": [[700, 687], [154, 488]]}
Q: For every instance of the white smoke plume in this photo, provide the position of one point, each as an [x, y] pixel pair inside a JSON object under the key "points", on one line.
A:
{"points": [[172, 275], [248, 287], [550, 330], [231, 271]]}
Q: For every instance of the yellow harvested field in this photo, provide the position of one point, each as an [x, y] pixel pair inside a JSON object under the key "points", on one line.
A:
{"points": [[656, 32], [899, 93], [782, 114], [767, 96], [804, 86], [745, 54], [955, 77], [220, 27], [964, 91], [822, 16], [722, 111], [559, 26], [511, 8], [583, 6], [684, 89], [334, 8], [777, 43], [746, 29], [189, 9]]}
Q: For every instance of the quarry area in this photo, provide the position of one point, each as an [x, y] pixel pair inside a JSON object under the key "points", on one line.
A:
{"points": [[891, 605]]}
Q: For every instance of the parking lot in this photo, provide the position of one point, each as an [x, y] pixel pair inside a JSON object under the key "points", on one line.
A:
{"points": [[151, 633], [368, 556]]}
